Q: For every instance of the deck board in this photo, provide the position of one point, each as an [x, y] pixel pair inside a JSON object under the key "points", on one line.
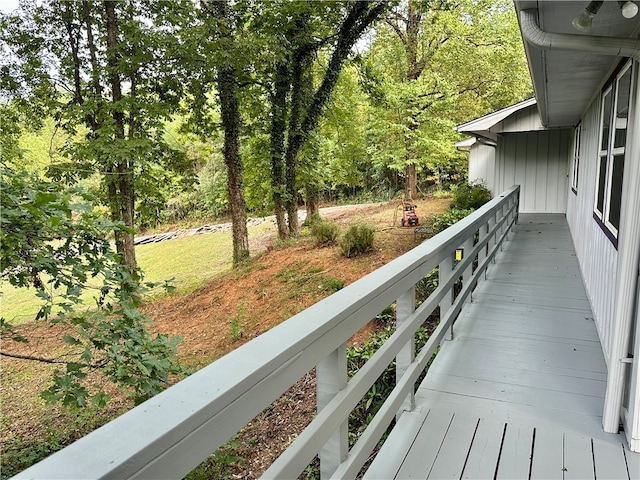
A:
{"points": [[546, 461], [485, 450], [519, 391], [515, 457], [577, 448]]}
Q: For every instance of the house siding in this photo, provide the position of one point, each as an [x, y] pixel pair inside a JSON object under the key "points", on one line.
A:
{"points": [[526, 120], [596, 253], [537, 161], [482, 161]]}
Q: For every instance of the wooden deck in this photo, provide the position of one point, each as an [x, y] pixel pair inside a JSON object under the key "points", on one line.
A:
{"points": [[519, 391]]}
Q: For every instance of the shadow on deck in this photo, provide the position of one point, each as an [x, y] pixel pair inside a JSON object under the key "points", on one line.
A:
{"points": [[519, 391]]}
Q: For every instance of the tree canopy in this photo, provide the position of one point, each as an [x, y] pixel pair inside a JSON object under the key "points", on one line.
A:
{"points": [[166, 109]]}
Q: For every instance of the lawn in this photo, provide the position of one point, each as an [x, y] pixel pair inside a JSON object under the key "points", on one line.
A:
{"points": [[189, 261]]}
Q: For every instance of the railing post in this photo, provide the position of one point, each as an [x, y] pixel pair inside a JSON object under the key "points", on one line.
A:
{"points": [[503, 228], [510, 216], [331, 377], [492, 241], [405, 306], [445, 270], [482, 234], [467, 248]]}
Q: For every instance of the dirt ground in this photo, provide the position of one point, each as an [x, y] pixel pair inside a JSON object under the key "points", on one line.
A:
{"points": [[228, 311]]}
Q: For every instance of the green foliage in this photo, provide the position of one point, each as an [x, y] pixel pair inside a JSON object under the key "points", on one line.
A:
{"points": [[357, 356], [445, 220], [357, 239], [326, 232], [466, 196], [222, 465], [52, 242], [427, 285], [116, 95], [21, 453]]}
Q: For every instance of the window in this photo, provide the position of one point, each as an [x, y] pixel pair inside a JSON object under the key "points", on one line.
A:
{"points": [[611, 152], [576, 158]]}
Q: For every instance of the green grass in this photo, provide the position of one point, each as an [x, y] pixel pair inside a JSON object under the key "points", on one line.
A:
{"points": [[190, 261]]}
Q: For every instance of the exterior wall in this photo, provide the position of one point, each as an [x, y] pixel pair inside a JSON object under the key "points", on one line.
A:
{"points": [[525, 120], [537, 161], [482, 159], [596, 254]]}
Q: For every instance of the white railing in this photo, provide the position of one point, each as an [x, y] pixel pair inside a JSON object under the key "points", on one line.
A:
{"points": [[170, 434]]}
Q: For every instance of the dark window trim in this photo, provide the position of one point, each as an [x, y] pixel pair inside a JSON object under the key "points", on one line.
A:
{"points": [[606, 230], [575, 157]]}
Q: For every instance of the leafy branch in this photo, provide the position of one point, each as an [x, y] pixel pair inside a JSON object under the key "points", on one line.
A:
{"points": [[69, 261]]}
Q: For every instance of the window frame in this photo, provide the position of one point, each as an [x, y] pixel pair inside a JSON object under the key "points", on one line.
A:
{"points": [[608, 153], [575, 167]]}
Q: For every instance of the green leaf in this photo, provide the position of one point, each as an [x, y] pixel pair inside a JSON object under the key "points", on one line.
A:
{"points": [[69, 340]]}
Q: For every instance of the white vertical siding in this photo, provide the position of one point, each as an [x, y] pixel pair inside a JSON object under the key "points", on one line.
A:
{"points": [[525, 120], [596, 254], [482, 159], [537, 161]]}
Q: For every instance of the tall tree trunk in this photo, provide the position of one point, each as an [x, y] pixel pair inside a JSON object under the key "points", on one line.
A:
{"points": [[278, 128], [410, 169], [411, 187], [313, 200], [292, 195], [361, 15], [124, 191], [409, 36], [231, 121]]}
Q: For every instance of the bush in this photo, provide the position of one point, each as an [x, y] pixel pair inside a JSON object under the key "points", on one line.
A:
{"points": [[448, 218], [356, 240], [467, 196], [357, 356], [325, 232]]}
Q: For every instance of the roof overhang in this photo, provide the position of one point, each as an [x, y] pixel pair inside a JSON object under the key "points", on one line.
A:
{"points": [[522, 116], [566, 81]]}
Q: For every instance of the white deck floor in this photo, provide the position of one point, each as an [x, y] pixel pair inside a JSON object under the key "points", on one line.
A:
{"points": [[519, 391]]}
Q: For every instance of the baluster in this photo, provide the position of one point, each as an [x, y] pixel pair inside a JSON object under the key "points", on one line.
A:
{"points": [[445, 271], [405, 306], [331, 377]]}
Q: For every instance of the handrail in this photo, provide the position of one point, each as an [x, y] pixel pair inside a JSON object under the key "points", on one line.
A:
{"points": [[170, 434]]}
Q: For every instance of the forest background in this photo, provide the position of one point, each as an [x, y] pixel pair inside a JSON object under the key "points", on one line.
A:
{"points": [[120, 117], [129, 102]]}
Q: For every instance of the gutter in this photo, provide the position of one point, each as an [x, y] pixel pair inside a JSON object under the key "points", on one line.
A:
{"points": [[533, 34]]}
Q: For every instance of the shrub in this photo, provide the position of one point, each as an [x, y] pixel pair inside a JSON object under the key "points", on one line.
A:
{"points": [[448, 218], [427, 285], [325, 232], [357, 356], [312, 220], [356, 240], [467, 196]]}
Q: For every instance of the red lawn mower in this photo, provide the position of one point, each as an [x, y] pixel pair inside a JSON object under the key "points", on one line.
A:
{"points": [[409, 217]]}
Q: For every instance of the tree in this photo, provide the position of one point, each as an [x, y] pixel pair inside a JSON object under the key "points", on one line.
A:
{"points": [[104, 70], [445, 62], [296, 103], [53, 243], [221, 15]]}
